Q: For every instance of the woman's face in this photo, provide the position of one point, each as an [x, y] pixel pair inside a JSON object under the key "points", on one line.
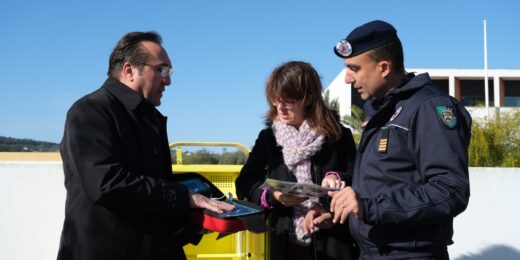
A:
{"points": [[290, 111]]}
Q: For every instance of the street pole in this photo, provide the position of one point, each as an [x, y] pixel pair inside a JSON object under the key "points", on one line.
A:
{"points": [[486, 89]]}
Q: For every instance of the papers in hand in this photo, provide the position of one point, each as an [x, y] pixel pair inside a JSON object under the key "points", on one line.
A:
{"points": [[296, 189]]}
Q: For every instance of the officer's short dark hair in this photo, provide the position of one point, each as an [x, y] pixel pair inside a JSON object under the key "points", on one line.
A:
{"points": [[393, 52], [128, 49]]}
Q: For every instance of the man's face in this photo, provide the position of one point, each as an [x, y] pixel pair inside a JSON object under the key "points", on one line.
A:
{"points": [[366, 77], [149, 82]]}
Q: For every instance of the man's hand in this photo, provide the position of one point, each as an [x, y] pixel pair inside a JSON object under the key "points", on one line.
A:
{"points": [[288, 200], [343, 203], [200, 201], [332, 181], [315, 219]]}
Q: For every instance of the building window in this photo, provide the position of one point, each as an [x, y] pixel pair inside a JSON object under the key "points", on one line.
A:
{"points": [[473, 94], [512, 93]]}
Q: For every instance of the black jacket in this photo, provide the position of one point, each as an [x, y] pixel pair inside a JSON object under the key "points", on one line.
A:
{"points": [[335, 243], [411, 172], [122, 202]]}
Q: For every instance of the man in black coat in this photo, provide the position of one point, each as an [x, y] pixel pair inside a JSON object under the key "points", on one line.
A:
{"points": [[122, 199]]}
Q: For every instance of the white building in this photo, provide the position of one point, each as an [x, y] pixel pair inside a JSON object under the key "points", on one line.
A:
{"points": [[466, 85]]}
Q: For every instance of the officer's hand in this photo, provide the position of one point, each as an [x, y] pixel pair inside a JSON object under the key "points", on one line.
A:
{"points": [[288, 200], [345, 202], [200, 201], [315, 219], [333, 182]]}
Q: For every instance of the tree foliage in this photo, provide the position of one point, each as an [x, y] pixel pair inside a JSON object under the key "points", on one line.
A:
{"points": [[496, 142], [205, 156], [355, 121], [9, 144], [332, 104]]}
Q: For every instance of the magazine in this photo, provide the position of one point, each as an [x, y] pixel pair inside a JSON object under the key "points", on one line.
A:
{"points": [[297, 189]]}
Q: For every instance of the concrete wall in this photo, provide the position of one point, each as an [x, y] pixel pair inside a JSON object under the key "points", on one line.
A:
{"points": [[32, 199], [490, 226]]}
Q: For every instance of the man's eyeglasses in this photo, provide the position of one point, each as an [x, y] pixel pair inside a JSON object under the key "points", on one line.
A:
{"points": [[289, 103], [163, 69]]}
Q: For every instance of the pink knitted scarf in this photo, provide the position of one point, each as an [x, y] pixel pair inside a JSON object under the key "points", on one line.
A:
{"points": [[298, 145]]}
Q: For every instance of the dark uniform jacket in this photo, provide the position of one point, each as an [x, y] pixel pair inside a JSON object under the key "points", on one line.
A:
{"points": [[335, 243], [411, 172], [121, 200]]}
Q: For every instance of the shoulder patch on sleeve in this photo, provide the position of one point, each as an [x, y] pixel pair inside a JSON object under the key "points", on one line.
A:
{"points": [[447, 116]]}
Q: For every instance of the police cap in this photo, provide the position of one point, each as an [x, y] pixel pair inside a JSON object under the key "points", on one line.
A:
{"points": [[366, 37]]}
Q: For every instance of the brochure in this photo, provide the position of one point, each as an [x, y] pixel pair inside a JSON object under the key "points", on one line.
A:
{"points": [[297, 189]]}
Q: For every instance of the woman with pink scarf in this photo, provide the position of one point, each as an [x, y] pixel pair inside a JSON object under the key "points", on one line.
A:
{"points": [[303, 142]]}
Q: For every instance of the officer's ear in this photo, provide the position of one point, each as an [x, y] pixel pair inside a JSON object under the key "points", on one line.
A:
{"points": [[385, 67]]}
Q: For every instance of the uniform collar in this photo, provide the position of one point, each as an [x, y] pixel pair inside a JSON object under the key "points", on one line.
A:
{"points": [[411, 82]]}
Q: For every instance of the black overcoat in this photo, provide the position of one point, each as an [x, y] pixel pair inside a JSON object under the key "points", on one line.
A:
{"points": [[122, 202]]}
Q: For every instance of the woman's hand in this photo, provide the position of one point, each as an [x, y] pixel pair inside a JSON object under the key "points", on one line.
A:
{"points": [[288, 200], [315, 219], [332, 181]]}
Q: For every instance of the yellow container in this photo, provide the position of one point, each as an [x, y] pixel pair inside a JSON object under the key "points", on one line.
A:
{"points": [[241, 245]]}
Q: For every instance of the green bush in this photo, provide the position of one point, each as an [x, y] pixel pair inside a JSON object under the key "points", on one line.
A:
{"points": [[355, 121], [496, 142], [205, 156]]}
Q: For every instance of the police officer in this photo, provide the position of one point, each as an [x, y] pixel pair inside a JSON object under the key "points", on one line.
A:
{"points": [[411, 173]]}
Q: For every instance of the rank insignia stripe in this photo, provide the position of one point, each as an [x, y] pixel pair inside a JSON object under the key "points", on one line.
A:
{"points": [[383, 144], [383, 140]]}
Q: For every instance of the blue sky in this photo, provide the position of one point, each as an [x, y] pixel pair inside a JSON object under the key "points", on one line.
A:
{"points": [[54, 52]]}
